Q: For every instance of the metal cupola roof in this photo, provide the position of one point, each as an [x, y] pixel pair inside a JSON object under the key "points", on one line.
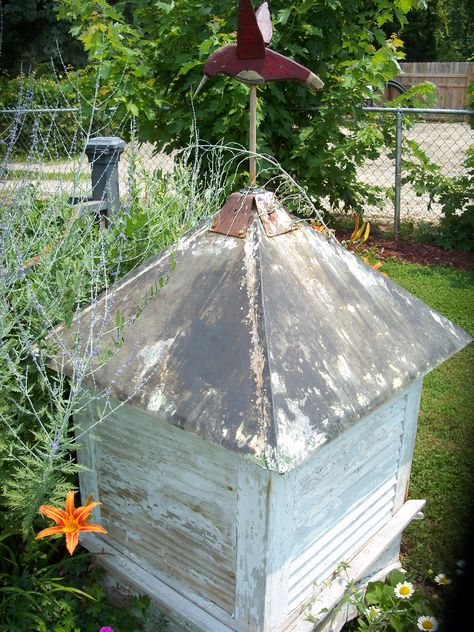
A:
{"points": [[267, 346]]}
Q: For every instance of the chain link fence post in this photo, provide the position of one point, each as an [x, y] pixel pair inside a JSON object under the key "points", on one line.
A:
{"points": [[103, 152], [436, 141], [398, 173]]}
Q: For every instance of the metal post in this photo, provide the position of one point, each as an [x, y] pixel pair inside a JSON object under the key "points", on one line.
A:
{"points": [[253, 135], [398, 173], [104, 154]]}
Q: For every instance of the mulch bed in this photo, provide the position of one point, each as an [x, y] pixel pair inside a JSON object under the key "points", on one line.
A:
{"points": [[423, 254]]}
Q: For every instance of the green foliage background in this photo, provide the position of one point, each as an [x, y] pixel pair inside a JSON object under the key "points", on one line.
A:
{"points": [[151, 58], [31, 35]]}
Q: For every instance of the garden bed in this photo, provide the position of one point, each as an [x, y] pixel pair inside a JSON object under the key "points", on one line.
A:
{"points": [[414, 252]]}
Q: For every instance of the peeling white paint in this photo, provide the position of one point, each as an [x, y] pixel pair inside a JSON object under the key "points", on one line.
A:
{"points": [[153, 355], [295, 437], [278, 384], [329, 381], [379, 378], [157, 402], [214, 247], [257, 355], [338, 411], [362, 400], [254, 443], [343, 368], [240, 436], [342, 333]]}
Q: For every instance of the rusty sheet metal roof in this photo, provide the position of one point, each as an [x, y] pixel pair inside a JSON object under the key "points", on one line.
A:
{"points": [[269, 347]]}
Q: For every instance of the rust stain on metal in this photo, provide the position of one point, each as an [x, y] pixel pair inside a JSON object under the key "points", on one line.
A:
{"points": [[235, 216], [275, 218]]}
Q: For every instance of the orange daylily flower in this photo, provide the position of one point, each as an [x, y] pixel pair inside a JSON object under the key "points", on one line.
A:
{"points": [[376, 266], [70, 521]]}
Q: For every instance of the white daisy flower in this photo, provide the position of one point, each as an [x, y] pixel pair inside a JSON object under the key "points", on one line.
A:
{"points": [[427, 623], [403, 590], [442, 580]]}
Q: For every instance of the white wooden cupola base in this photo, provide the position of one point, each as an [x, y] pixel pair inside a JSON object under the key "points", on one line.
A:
{"points": [[373, 562], [222, 544]]}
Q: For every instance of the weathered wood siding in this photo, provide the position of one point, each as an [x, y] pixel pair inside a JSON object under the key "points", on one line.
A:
{"points": [[169, 502], [345, 494], [232, 545], [451, 79]]}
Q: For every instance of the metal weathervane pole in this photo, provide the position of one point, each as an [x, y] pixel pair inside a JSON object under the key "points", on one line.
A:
{"points": [[251, 62], [253, 136]]}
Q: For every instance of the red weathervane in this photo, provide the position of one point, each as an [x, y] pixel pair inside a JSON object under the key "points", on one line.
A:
{"points": [[252, 63]]}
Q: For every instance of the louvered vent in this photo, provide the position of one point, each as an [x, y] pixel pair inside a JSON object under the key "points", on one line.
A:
{"points": [[339, 509]]}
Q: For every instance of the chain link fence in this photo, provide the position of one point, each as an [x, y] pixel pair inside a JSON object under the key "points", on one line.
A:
{"points": [[39, 134], [435, 139], [45, 148], [41, 147]]}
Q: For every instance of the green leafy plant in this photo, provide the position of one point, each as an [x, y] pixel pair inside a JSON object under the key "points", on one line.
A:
{"points": [[52, 262], [455, 195], [43, 591], [396, 604], [440, 31], [31, 582], [359, 235]]}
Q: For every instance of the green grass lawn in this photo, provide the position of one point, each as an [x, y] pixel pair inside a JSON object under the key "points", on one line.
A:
{"points": [[443, 464]]}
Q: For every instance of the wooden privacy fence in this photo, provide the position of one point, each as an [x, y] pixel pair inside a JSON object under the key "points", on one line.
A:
{"points": [[450, 77]]}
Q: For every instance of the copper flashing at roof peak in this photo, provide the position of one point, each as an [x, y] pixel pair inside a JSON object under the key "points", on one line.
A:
{"points": [[236, 215]]}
